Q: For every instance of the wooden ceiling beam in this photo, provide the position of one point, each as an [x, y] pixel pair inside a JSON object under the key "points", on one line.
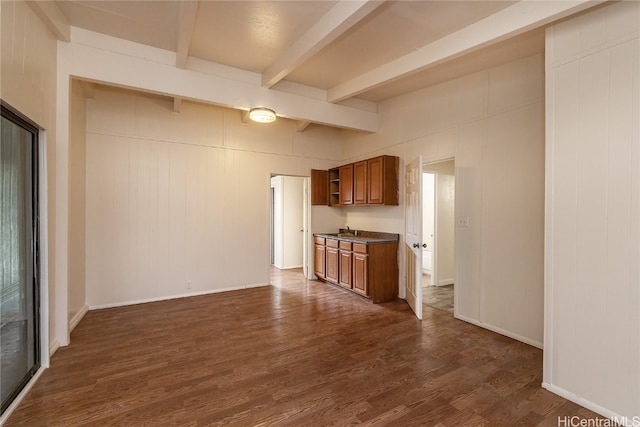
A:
{"points": [[339, 19], [188, 12], [511, 21], [53, 18]]}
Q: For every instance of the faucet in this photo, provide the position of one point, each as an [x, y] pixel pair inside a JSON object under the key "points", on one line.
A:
{"points": [[354, 232]]}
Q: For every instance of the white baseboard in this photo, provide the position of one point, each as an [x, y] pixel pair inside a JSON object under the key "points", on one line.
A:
{"points": [[6, 414], [170, 297], [77, 318], [500, 331], [630, 420], [53, 347], [445, 282]]}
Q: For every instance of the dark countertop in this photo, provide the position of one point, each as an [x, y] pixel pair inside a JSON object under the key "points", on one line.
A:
{"points": [[365, 237]]}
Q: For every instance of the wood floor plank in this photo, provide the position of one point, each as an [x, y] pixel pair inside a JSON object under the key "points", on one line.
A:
{"points": [[298, 353]]}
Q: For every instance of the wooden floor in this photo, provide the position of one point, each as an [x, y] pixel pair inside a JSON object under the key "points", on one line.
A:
{"points": [[299, 353]]}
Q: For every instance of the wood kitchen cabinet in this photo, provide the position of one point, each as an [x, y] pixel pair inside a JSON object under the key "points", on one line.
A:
{"points": [[366, 267], [382, 180], [346, 184], [360, 183], [319, 187], [346, 260], [319, 257], [360, 267], [334, 187], [331, 261], [368, 182]]}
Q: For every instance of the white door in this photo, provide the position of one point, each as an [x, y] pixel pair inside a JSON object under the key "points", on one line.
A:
{"points": [[306, 205], [413, 235]]}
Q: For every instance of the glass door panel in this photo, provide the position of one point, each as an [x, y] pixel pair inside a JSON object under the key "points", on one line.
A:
{"points": [[19, 340]]}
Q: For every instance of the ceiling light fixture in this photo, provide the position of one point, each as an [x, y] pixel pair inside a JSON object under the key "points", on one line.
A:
{"points": [[262, 115]]}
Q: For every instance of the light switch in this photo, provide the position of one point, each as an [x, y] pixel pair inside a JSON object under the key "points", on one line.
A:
{"points": [[462, 221]]}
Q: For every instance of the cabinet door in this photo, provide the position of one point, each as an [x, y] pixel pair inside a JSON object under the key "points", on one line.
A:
{"points": [[331, 272], [376, 180], [319, 187], [319, 260], [346, 184], [360, 182], [360, 266], [345, 268]]}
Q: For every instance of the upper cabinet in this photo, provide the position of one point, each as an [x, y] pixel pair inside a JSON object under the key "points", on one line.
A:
{"points": [[368, 182], [382, 181], [360, 183], [346, 184], [319, 187]]}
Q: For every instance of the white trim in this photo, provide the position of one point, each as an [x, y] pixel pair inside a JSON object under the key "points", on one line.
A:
{"points": [[44, 248], [445, 282], [500, 331], [53, 347], [61, 224], [548, 328], [104, 59], [5, 416], [589, 404], [170, 297], [77, 318]]}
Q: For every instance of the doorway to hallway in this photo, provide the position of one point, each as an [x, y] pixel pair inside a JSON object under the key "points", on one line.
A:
{"points": [[289, 222], [438, 253]]}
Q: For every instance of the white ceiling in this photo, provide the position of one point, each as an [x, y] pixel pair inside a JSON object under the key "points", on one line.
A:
{"points": [[340, 51]]}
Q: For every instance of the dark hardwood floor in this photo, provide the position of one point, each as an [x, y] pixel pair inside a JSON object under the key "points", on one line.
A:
{"points": [[299, 353]]}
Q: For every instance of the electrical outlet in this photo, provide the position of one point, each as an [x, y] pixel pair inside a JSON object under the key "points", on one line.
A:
{"points": [[462, 221], [188, 284]]}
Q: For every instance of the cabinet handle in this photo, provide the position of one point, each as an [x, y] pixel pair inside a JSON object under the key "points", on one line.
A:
{"points": [[416, 245]]}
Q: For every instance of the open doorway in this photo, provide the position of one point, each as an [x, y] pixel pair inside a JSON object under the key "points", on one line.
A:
{"points": [[289, 222], [438, 255]]}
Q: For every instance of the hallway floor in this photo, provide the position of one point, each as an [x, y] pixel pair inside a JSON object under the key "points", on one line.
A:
{"points": [[440, 297]]}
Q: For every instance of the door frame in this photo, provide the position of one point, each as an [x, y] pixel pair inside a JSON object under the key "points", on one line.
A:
{"points": [[434, 255], [46, 347], [307, 243]]}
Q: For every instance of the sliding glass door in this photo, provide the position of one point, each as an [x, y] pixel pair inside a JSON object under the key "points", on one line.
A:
{"points": [[19, 305]]}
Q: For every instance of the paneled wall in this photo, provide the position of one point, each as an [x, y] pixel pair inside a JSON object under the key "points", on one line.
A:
{"points": [[492, 123], [592, 333], [28, 83], [178, 203]]}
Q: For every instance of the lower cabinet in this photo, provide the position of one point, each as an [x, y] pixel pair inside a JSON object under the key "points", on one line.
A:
{"points": [[331, 261], [319, 259], [370, 270], [360, 266], [346, 260]]}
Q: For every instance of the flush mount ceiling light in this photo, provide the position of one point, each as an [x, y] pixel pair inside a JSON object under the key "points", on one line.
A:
{"points": [[262, 115]]}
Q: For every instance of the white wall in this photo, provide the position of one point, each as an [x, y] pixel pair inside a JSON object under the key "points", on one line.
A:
{"points": [[592, 333], [176, 198], [28, 83], [492, 124]]}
